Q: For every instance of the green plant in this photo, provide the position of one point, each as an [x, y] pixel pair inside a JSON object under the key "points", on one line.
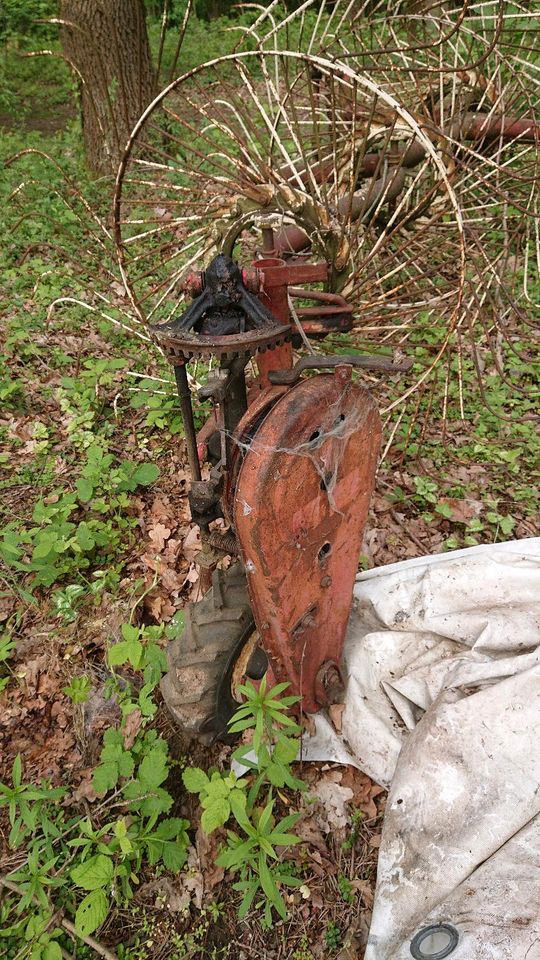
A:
{"points": [[71, 531], [65, 601], [7, 649], [249, 802], [120, 848], [78, 690], [303, 952], [357, 817], [346, 889], [332, 936], [87, 863]]}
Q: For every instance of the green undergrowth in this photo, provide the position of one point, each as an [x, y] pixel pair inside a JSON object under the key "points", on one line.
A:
{"points": [[84, 865]]}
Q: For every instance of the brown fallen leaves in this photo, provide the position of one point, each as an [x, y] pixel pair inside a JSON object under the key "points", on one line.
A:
{"points": [[35, 721], [340, 791], [167, 560]]}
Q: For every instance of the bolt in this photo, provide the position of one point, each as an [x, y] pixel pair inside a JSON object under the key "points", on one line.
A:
{"points": [[326, 581]]}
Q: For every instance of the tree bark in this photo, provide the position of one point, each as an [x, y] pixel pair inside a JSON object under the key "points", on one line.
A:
{"points": [[106, 43]]}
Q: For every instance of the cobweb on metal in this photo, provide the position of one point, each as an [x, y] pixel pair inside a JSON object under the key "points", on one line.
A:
{"points": [[323, 447]]}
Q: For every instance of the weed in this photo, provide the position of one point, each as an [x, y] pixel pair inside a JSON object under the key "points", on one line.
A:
{"points": [[88, 865], [346, 889], [7, 650], [357, 817], [332, 936], [78, 690], [249, 802], [303, 952]]}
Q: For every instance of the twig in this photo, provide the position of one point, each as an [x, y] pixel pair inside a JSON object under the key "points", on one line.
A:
{"points": [[421, 546], [66, 924]]}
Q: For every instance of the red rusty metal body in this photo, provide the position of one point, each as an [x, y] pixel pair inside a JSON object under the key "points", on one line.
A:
{"points": [[300, 505]]}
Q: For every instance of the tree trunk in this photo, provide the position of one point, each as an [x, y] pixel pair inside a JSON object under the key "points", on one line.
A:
{"points": [[106, 43]]}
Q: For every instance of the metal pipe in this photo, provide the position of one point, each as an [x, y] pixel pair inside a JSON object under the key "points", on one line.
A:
{"points": [[186, 410]]}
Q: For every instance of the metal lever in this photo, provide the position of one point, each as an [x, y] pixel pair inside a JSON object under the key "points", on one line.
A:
{"points": [[288, 377]]}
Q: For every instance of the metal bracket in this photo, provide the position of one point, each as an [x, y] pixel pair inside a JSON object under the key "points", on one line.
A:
{"points": [[318, 362]]}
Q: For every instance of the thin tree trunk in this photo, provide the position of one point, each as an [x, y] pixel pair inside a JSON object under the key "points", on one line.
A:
{"points": [[107, 44]]}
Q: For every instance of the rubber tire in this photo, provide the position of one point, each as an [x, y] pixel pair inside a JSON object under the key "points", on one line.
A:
{"points": [[197, 688]]}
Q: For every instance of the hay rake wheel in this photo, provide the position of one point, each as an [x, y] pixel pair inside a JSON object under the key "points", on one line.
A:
{"points": [[405, 155], [307, 147]]}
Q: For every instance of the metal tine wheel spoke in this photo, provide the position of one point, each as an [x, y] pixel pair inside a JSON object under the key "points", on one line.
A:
{"points": [[398, 144]]}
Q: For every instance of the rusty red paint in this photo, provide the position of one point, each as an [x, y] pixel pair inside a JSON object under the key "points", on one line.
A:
{"points": [[300, 506]]}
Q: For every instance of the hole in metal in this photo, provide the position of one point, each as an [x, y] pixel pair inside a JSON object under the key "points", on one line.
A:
{"points": [[258, 664], [435, 942], [324, 551], [314, 436]]}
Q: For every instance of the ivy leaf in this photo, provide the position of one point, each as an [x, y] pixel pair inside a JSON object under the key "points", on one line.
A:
{"points": [[91, 913], [276, 774], [84, 537], [52, 951], [126, 764], [174, 856], [126, 650], [145, 701], [84, 489], [286, 750], [93, 873]]}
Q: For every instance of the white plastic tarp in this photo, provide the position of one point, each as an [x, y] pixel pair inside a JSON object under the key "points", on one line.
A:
{"points": [[443, 706]]}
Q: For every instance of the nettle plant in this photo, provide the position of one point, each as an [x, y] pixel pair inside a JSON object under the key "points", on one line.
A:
{"points": [[246, 805]]}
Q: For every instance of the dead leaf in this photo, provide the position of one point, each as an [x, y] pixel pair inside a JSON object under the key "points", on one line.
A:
{"points": [[159, 607], [172, 549], [192, 544], [187, 887], [308, 830], [463, 511], [207, 849], [308, 723], [365, 890], [131, 728], [85, 790], [335, 712], [118, 289], [332, 812], [316, 900], [351, 945], [159, 534]]}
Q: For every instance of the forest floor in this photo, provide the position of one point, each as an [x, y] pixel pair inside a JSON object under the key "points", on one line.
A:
{"points": [[96, 535]]}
